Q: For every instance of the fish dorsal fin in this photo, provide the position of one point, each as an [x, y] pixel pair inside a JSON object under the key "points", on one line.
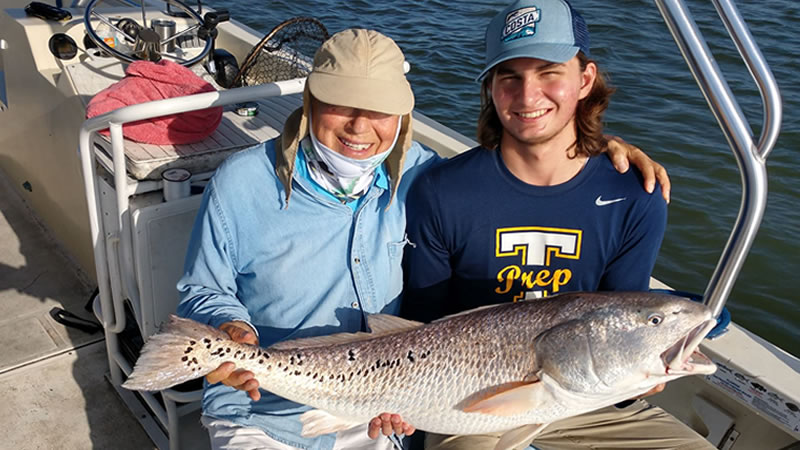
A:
{"points": [[322, 341], [382, 324], [509, 399], [519, 437]]}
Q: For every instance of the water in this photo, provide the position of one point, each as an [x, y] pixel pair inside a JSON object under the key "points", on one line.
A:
{"points": [[658, 106]]}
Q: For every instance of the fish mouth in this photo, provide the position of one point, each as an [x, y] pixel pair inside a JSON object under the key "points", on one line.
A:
{"points": [[684, 358]]}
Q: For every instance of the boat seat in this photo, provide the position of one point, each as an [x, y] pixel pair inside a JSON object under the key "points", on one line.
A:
{"points": [[148, 161]]}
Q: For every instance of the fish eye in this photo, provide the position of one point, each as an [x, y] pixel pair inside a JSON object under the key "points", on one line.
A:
{"points": [[655, 319]]}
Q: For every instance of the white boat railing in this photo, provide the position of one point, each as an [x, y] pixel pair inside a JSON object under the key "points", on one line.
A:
{"points": [[750, 157], [113, 247]]}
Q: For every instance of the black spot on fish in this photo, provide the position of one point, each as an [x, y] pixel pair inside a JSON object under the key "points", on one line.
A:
{"points": [[261, 361], [330, 377], [297, 372], [207, 340], [359, 372], [279, 364], [218, 339], [351, 355], [315, 376], [266, 355], [350, 377], [291, 360], [236, 355], [299, 362], [286, 369], [208, 346], [228, 350], [410, 355], [188, 350], [194, 360], [253, 355], [185, 358], [192, 342], [378, 363]]}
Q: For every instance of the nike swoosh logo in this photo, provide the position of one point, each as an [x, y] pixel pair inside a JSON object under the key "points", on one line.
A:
{"points": [[601, 202]]}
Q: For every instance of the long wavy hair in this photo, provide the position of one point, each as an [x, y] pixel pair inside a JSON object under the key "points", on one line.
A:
{"points": [[588, 115]]}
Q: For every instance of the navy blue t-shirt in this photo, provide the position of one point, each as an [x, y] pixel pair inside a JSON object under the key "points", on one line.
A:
{"points": [[480, 236]]}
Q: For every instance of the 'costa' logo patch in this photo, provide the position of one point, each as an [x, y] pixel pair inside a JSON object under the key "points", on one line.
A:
{"points": [[521, 23]]}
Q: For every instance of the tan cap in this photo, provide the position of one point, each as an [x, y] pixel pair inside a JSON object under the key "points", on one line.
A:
{"points": [[361, 69]]}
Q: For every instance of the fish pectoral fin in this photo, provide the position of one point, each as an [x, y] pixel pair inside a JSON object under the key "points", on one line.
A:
{"points": [[509, 399], [318, 422], [519, 437]]}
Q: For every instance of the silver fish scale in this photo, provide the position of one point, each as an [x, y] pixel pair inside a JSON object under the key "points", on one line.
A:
{"points": [[426, 374]]}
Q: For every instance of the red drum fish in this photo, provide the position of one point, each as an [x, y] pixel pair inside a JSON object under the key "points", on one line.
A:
{"points": [[510, 368]]}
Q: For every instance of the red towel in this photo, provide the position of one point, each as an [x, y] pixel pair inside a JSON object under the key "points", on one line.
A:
{"points": [[146, 81]]}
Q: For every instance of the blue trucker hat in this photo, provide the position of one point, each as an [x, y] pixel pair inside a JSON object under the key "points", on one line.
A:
{"points": [[543, 29]]}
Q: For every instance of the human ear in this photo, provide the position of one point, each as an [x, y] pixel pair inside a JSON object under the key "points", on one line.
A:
{"points": [[588, 76]]}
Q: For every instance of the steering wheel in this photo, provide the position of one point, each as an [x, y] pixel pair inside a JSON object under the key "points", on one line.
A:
{"points": [[146, 36]]}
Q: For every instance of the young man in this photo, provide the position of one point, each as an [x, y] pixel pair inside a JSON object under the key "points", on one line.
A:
{"points": [[536, 211]]}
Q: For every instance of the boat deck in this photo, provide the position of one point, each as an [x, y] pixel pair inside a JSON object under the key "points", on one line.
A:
{"points": [[65, 367]]}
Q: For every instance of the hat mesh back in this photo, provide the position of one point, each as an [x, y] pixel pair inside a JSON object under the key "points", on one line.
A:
{"points": [[580, 30]]}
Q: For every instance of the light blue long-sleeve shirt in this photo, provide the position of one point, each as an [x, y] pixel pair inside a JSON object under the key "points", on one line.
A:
{"points": [[311, 268]]}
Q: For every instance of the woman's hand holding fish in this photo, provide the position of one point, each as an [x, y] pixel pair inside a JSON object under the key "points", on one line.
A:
{"points": [[387, 424], [623, 154], [226, 373]]}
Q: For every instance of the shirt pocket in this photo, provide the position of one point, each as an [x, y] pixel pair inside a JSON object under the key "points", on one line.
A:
{"points": [[395, 260], [396, 248]]}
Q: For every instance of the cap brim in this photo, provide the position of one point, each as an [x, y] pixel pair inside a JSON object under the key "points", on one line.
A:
{"points": [[389, 97], [557, 53]]}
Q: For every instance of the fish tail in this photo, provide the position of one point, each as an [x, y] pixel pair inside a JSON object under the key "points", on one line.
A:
{"points": [[173, 356]]}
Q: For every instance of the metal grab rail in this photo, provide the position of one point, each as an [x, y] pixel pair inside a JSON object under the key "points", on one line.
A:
{"points": [[750, 158], [110, 284], [113, 248]]}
